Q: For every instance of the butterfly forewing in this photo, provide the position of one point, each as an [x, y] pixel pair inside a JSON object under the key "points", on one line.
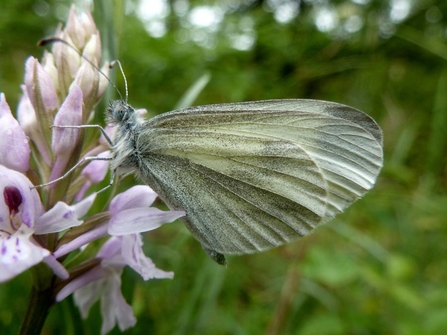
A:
{"points": [[251, 176]]}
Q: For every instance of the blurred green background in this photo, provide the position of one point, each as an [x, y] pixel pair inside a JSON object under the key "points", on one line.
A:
{"points": [[381, 267]]}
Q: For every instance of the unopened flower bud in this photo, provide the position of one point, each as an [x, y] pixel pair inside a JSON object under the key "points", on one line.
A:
{"points": [[67, 62], [14, 147], [75, 29], [41, 90], [65, 140], [26, 116], [50, 68]]}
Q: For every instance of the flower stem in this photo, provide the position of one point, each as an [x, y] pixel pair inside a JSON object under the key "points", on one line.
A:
{"points": [[39, 306]]}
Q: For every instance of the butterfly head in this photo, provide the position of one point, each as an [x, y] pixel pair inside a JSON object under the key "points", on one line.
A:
{"points": [[120, 112]]}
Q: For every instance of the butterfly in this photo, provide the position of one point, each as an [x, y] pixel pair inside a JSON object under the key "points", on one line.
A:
{"points": [[251, 176]]}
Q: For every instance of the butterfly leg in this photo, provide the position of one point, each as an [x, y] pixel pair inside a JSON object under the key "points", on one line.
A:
{"points": [[101, 129], [82, 161]]}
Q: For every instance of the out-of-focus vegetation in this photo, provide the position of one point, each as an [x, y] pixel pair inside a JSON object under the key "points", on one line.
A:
{"points": [[380, 268]]}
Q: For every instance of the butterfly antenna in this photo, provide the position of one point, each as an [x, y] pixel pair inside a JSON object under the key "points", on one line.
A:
{"points": [[112, 64], [52, 40]]}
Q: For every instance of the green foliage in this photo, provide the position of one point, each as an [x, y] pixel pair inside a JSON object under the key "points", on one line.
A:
{"points": [[381, 268]]}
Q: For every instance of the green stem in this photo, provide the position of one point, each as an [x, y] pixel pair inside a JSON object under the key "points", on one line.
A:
{"points": [[39, 306]]}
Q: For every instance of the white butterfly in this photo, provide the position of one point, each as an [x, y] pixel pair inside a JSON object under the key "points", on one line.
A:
{"points": [[251, 176]]}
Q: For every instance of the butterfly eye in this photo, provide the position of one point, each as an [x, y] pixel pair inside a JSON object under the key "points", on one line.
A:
{"points": [[119, 115], [119, 111]]}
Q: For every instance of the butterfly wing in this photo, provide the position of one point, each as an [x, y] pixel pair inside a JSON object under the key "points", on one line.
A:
{"points": [[252, 176]]}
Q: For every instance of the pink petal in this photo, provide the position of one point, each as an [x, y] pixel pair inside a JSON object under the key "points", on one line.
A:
{"points": [[138, 220], [50, 67], [67, 60], [65, 140], [134, 256], [31, 204], [18, 253], [137, 196], [111, 249], [14, 148], [70, 114], [87, 79], [92, 50], [83, 206], [58, 269], [87, 22], [84, 239], [96, 170], [27, 118], [84, 298], [38, 81], [114, 307], [57, 219], [75, 29]]}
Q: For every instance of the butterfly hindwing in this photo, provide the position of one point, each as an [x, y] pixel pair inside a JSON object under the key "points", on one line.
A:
{"points": [[240, 203]]}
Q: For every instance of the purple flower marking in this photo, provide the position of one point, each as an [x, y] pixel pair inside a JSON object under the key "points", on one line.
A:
{"points": [[21, 216]]}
